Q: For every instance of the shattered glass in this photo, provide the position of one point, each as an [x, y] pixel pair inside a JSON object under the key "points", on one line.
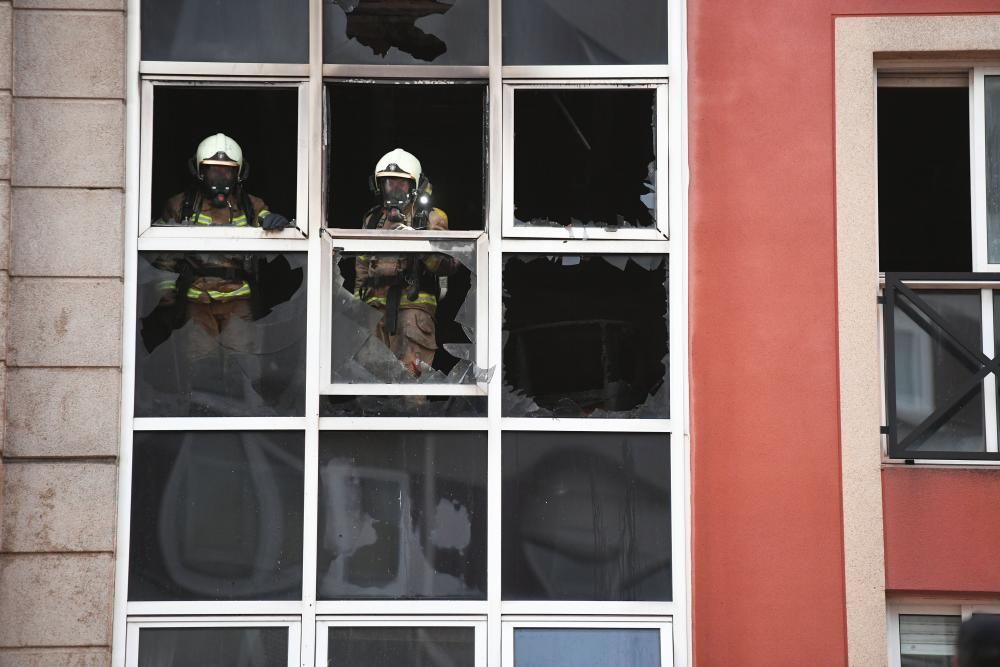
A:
{"points": [[402, 515], [216, 515], [220, 334], [181, 647], [402, 406], [569, 32], [585, 336], [233, 31], [586, 516], [406, 32], [403, 646], [430, 299], [585, 158]]}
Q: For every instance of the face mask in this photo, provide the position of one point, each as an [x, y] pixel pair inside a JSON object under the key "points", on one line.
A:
{"points": [[218, 183], [396, 196]]}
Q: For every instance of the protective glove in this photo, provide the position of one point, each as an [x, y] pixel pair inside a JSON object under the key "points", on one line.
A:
{"points": [[273, 221]]}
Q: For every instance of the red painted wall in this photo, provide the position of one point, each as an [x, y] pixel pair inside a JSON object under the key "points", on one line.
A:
{"points": [[768, 579], [942, 530]]}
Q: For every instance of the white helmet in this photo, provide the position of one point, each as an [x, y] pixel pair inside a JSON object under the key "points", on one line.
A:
{"points": [[400, 164], [219, 149]]}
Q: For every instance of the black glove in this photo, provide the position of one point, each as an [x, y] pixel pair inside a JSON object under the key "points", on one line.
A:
{"points": [[274, 221]]}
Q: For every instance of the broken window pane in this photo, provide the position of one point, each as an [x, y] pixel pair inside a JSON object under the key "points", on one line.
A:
{"points": [[406, 32], [586, 516], [585, 336], [402, 515], [586, 647], [436, 646], [405, 318], [220, 334], [402, 406], [240, 647], [264, 132], [216, 515], [568, 32], [234, 31], [442, 126], [585, 158]]}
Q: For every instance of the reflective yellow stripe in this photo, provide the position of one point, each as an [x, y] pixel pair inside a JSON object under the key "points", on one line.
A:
{"points": [[238, 221], [215, 295], [167, 284], [423, 299]]}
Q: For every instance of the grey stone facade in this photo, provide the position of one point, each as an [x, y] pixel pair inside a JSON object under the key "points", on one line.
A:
{"points": [[62, 137]]}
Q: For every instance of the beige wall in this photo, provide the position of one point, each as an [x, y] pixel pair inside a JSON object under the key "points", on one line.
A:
{"points": [[62, 78]]}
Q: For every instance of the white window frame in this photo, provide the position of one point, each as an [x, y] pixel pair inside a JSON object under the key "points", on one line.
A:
{"points": [[668, 654], [324, 623], [927, 608], [137, 625], [310, 78], [659, 231], [190, 234], [421, 242]]}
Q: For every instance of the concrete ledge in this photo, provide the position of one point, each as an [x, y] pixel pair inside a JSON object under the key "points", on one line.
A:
{"points": [[56, 412], [55, 657], [58, 507], [64, 322], [69, 143], [48, 228], [69, 54], [57, 600]]}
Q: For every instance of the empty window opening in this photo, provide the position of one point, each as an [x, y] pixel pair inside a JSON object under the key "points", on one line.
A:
{"points": [[585, 336], [263, 124], [443, 126], [584, 157], [924, 195]]}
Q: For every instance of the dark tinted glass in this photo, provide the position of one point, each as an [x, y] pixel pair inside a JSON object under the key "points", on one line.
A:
{"points": [[586, 336], [403, 647], [406, 32], [444, 126], [584, 157], [220, 334], [924, 200], [402, 515], [572, 647], [402, 406], [569, 32], [216, 516], [263, 122], [237, 31], [586, 516], [405, 318], [992, 92], [213, 647], [931, 371]]}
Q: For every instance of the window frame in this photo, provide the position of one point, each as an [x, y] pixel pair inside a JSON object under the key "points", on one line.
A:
{"points": [[917, 607], [311, 78], [661, 228], [146, 207], [137, 624]]}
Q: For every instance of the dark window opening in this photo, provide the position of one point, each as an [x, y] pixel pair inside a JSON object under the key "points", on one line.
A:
{"points": [[264, 123], [444, 126], [402, 646], [173, 647], [220, 335], [586, 516], [924, 195], [406, 32], [233, 31], [584, 157], [216, 516], [402, 515], [402, 406], [585, 336]]}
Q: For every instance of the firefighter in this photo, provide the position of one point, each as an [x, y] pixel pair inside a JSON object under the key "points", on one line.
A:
{"points": [[406, 288], [219, 196]]}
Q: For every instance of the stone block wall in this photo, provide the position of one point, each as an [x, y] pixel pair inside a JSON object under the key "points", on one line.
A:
{"points": [[62, 137]]}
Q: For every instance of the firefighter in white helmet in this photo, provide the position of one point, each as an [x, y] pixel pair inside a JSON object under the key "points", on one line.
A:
{"points": [[406, 289], [219, 196]]}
